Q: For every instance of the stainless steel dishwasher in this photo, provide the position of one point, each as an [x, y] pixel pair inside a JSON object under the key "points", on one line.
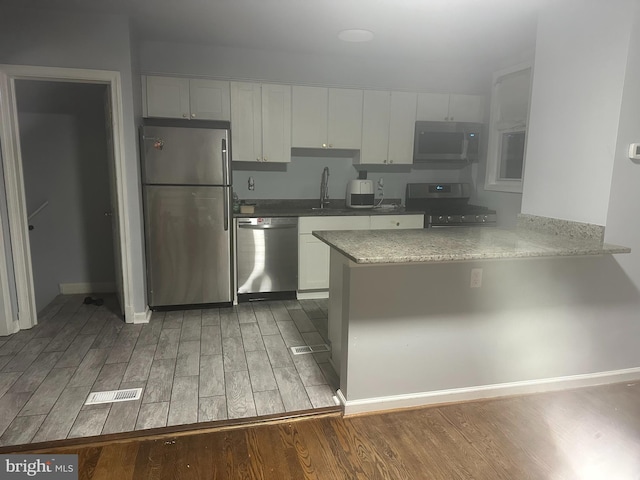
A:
{"points": [[267, 257]]}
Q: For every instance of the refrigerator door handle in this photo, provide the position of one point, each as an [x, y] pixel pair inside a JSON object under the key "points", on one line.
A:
{"points": [[227, 182], [226, 209], [225, 162]]}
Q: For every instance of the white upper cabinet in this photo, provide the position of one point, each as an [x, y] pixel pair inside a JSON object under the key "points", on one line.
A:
{"points": [[387, 127], [246, 121], [450, 107], [466, 108], [326, 117], [209, 99], [260, 122], [402, 126], [168, 97], [344, 129], [375, 127], [309, 117], [276, 123], [198, 99]]}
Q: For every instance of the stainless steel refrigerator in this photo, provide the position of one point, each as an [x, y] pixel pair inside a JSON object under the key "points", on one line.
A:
{"points": [[187, 200]]}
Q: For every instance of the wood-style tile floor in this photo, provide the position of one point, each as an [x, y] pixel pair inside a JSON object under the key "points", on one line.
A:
{"points": [[193, 366]]}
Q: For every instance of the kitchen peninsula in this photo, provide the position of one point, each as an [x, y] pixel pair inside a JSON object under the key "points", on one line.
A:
{"points": [[435, 315]]}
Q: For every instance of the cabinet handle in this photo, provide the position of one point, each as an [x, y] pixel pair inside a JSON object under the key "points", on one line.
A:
{"points": [[324, 145], [330, 146], [397, 224], [184, 115], [264, 159], [193, 115], [451, 118], [390, 161], [257, 159], [384, 161]]}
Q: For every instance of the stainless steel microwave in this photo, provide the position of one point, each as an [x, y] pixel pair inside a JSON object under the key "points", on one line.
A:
{"points": [[446, 141]]}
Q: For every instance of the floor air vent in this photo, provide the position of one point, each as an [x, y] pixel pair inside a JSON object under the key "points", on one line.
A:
{"points": [[114, 396], [310, 349]]}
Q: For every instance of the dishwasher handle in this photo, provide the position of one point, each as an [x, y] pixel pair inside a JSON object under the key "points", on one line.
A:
{"points": [[266, 227]]}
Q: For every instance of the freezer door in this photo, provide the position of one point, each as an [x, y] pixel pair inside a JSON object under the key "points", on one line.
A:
{"points": [[185, 156], [188, 245]]}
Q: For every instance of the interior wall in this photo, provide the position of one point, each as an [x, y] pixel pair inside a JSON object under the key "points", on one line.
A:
{"points": [[579, 72], [64, 160], [313, 69], [71, 40], [621, 227]]}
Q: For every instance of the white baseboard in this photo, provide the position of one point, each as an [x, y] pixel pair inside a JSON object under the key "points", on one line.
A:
{"points": [[352, 407], [87, 287], [142, 317], [312, 295]]}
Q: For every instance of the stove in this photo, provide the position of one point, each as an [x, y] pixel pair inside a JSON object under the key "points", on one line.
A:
{"points": [[446, 205]]}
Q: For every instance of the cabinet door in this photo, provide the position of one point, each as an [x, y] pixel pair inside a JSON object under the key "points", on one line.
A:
{"points": [[313, 265], [309, 117], [375, 127], [466, 108], [402, 127], [167, 97], [276, 123], [345, 118], [433, 106], [380, 222], [246, 122], [209, 99]]}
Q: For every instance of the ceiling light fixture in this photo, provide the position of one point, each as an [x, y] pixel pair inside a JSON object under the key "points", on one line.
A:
{"points": [[355, 35]]}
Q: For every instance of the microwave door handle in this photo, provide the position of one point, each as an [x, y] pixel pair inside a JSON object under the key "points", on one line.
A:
{"points": [[465, 147]]}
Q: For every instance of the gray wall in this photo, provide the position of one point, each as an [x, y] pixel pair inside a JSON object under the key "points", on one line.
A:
{"points": [[47, 38], [301, 178], [290, 67], [64, 160], [532, 319], [576, 97]]}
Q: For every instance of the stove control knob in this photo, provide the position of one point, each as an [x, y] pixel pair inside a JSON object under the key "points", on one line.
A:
{"points": [[484, 218], [449, 217], [478, 218], [462, 218], [441, 218]]}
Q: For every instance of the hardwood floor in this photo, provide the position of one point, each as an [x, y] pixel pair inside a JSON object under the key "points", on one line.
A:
{"points": [[590, 433]]}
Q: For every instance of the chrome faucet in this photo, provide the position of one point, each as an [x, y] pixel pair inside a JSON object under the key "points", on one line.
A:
{"points": [[324, 188]]}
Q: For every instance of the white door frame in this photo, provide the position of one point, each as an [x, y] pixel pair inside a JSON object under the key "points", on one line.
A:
{"points": [[15, 190]]}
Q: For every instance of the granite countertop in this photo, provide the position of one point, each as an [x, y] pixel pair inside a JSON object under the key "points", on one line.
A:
{"points": [[459, 243], [308, 208]]}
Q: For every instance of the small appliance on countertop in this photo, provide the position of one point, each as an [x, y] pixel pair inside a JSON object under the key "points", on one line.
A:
{"points": [[446, 205], [360, 194]]}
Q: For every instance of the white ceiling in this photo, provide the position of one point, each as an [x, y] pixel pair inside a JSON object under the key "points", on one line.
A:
{"points": [[432, 30]]}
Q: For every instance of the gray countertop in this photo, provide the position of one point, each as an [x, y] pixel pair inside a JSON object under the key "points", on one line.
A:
{"points": [[457, 243]]}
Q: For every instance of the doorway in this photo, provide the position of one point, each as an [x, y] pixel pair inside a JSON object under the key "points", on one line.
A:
{"points": [[63, 142], [23, 315]]}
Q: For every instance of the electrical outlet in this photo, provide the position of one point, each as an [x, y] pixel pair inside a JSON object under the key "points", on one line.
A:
{"points": [[476, 278]]}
